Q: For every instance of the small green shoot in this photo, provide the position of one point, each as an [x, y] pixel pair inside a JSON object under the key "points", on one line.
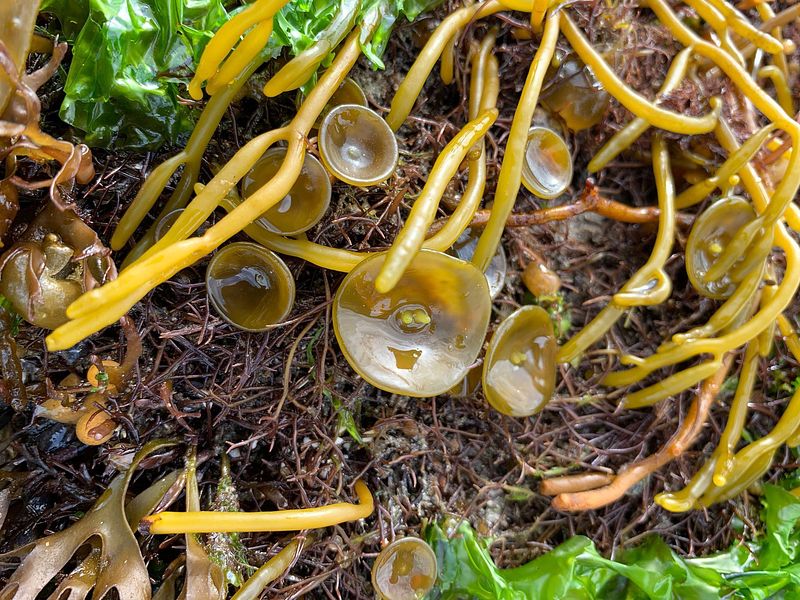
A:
{"points": [[310, 359], [558, 309], [515, 493], [729, 385], [782, 380], [16, 319], [344, 417]]}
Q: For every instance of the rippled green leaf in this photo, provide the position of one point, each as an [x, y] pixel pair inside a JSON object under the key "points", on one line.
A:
{"points": [[767, 567]]}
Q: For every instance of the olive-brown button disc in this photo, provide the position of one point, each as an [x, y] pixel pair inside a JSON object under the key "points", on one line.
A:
{"points": [[711, 233], [357, 146], [250, 286], [519, 370], [420, 338], [405, 570]]}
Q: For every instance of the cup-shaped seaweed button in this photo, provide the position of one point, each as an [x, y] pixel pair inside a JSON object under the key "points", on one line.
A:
{"points": [[348, 92], [165, 222], [464, 248], [56, 259], [469, 385], [547, 166], [519, 371], [711, 233], [420, 338], [249, 286], [357, 146], [304, 205], [36, 279], [405, 570], [576, 95]]}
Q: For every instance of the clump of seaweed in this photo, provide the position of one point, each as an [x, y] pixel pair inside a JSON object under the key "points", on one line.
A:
{"points": [[20, 108], [423, 341], [113, 561], [730, 262]]}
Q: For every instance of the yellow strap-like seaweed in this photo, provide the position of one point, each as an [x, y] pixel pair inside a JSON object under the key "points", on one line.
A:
{"points": [[629, 98], [642, 288], [509, 179], [410, 239], [633, 130], [227, 37], [118, 296], [408, 91]]}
